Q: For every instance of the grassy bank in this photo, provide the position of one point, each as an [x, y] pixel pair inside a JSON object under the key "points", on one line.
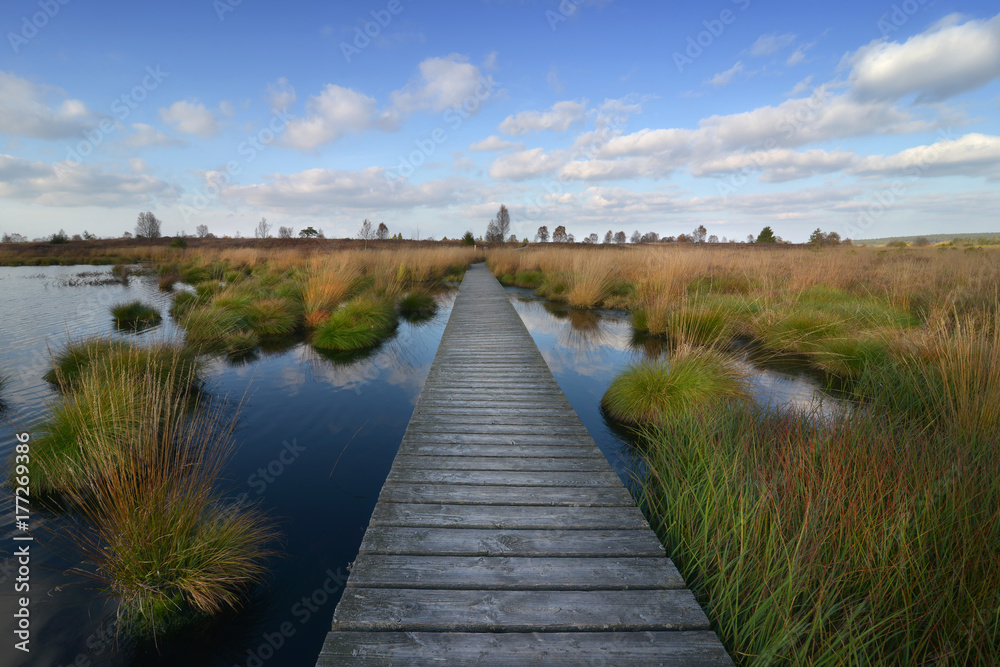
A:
{"points": [[837, 309], [871, 541], [341, 301], [866, 540]]}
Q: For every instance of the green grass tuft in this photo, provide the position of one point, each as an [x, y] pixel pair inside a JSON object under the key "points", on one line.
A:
{"points": [[701, 326], [134, 315], [650, 391], [417, 305], [183, 301], [273, 316], [209, 327], [358, 324]]}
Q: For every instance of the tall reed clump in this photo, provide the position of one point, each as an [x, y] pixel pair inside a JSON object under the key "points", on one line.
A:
{"points": [[155, 532], [165, 361], [946, 377], [867, 541], [329, 282], [590, 281], [101, 396], [138, 458]]}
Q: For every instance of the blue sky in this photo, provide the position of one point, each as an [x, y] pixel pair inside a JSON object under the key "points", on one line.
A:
{"points": [[862, 118]]}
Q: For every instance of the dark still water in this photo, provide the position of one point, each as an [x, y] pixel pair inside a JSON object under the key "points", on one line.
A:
{"points": [[316, 438], [586, 349]]}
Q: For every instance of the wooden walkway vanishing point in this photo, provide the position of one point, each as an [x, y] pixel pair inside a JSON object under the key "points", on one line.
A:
{"points": [[502, 536]]}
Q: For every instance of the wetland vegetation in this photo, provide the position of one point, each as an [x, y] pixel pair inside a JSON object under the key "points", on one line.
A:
{"points": [[132, 451], [856, 537], [869, 537]]}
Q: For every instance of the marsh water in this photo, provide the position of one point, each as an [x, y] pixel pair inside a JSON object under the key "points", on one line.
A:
{"points": [[316, 437]]}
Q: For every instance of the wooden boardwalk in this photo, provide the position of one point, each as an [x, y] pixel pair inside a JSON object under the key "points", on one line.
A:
{"points": [[502, 536]]}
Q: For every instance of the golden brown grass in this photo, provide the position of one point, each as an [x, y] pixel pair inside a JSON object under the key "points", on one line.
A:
{"points": [[865, 540]]}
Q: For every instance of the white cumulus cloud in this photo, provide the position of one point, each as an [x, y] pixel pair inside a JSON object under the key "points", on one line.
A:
{"points": [[330, 115], [492, 143], [190, 118], [25, 110], [444, 83], [147, 135], [83, 185], [969, 155], [944, 61], [523, 165], [559, 118]]}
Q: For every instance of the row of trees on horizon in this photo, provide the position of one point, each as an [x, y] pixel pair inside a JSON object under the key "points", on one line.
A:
{"points": [[498, 231]]}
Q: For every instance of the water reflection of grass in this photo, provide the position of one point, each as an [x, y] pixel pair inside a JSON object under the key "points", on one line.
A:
{"points": [[865, 538], [4, 382]]}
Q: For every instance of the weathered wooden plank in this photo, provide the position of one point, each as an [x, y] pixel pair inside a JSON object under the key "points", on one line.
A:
{"points": [[422, 610], [447, 410], [514, 426], [496, 394], [480, 418], [478, 369], [501, 384], [478, 402], [488, 542], [507, 516], [588, 464], [504, 573], [462, 494], [697, 648], [508, 451], [498, 438], [493, 478]]}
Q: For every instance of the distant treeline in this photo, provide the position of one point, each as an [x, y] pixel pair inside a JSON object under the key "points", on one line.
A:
{"points": [[984, 238]]}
